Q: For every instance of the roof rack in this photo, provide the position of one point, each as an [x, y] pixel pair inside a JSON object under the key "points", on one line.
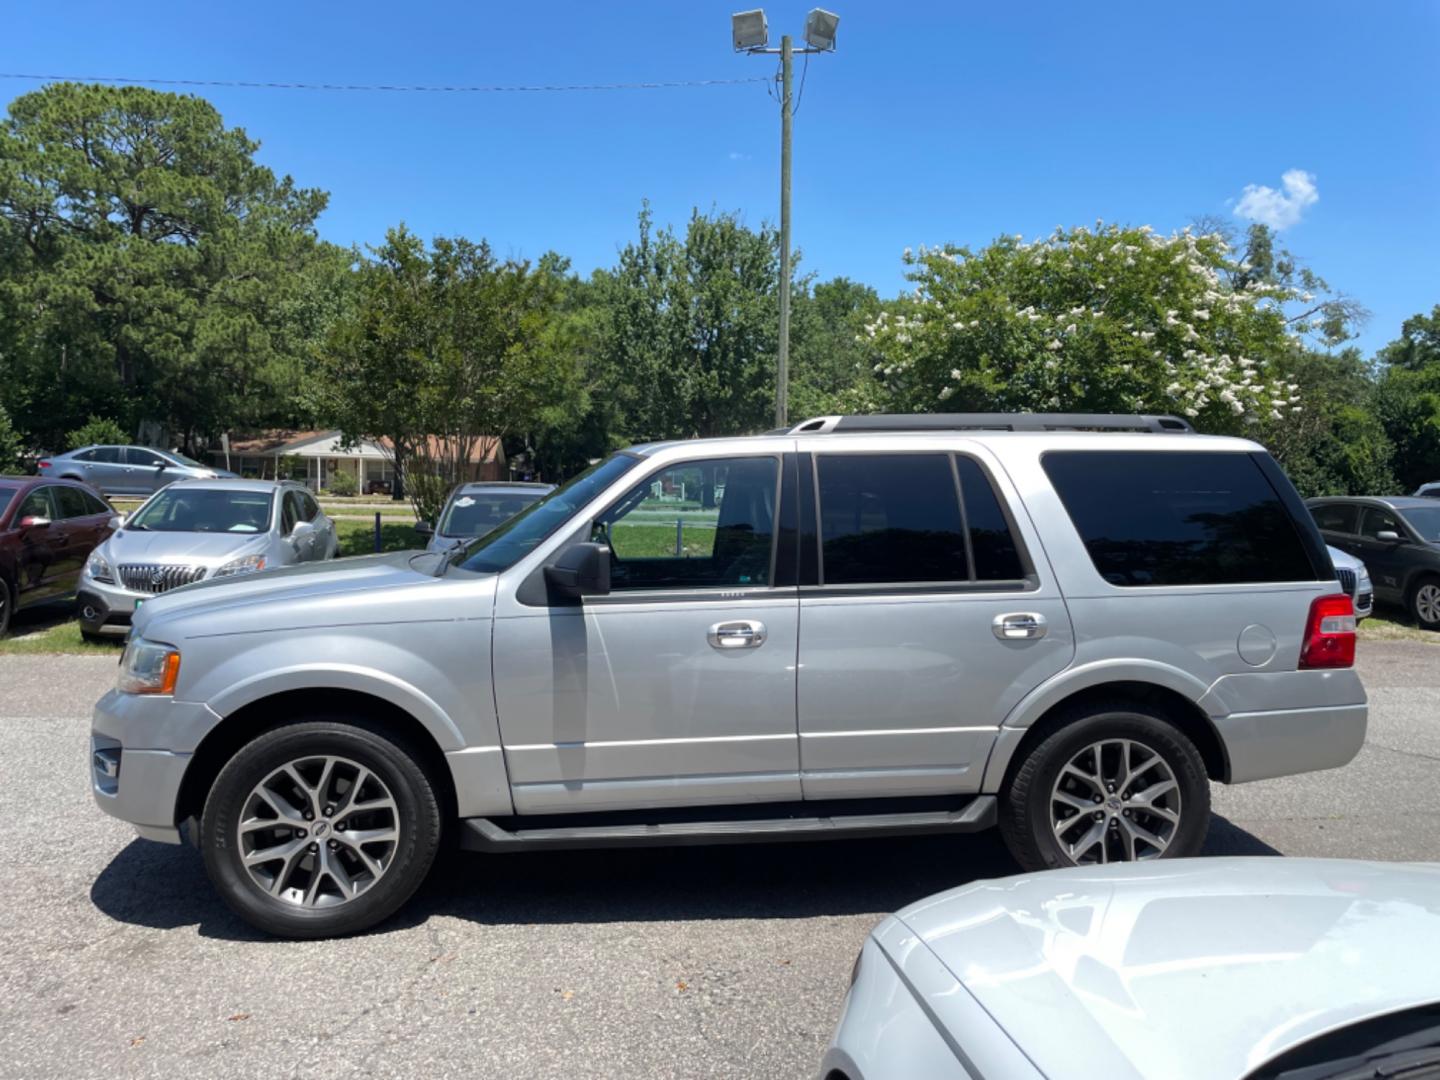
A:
{"points": [[1159, 424]]}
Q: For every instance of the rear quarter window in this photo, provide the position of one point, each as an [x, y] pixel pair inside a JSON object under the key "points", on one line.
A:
{"points": [[1178, 518]]}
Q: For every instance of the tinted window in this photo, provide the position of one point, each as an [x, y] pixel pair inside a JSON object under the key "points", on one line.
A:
{"points": [[1336, 517], [696, 525], [86, 455], [97, 505], [71, 503], [1159, 518], [1377, 521], [890, 518], [36, 504], [1425, 520], [136, 456], [309, 508], [6, 495], [997, 556], [290, 513], [108, 455]]}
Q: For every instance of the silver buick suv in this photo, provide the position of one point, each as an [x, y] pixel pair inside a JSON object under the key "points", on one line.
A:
{"points": [[1061, 625]]}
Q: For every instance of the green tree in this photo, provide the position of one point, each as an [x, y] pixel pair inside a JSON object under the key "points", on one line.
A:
{"points": [[1108, 320], [445, 348], [689, 328], [1407, 398], [12, 446], [96, 430], [153, 262], [829, 360]]}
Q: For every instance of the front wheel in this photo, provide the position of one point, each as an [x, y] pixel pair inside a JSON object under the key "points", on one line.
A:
{"points": [[1425, 603], [320, 829], [1108, 784]]}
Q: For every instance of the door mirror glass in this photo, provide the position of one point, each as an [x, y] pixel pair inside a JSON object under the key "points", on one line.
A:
{"points": [[1390, 536], [581, 570]]}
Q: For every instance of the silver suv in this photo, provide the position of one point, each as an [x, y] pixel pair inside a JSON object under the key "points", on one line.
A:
{"points": [[1061, 625]]}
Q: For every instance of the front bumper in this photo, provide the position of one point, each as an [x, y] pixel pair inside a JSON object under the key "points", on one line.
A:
{"points": [[140, 747], [105, 609]]}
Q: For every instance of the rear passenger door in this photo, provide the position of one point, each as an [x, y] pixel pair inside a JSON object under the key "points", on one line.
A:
{"points": [[1339, 525], [931, 615], [105, 469]]}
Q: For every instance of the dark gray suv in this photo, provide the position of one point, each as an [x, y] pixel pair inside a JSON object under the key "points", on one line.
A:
{"points": [[1398, 540]]}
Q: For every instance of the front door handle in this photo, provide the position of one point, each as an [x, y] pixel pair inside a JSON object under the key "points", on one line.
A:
{"points": [[1019, 626], [743, 634]]}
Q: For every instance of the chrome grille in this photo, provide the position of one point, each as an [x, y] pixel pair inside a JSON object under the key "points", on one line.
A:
{"points": [[1346, 577], [157, 577]]}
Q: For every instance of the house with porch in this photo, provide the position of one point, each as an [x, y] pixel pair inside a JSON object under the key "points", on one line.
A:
{"points": [[315, 457]]}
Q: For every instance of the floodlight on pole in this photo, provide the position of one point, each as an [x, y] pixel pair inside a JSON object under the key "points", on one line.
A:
{"points": [[750, 33]]}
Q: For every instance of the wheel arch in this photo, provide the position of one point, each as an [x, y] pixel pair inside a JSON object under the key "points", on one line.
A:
{"points": [[263, 714], [1182, 710]]}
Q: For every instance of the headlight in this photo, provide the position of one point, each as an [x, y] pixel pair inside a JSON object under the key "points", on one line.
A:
{"points": [[148, 667], [97, 569], [243, 565]]}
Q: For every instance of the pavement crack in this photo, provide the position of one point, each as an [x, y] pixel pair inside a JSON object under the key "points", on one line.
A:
{"points": [[1404, 753]]}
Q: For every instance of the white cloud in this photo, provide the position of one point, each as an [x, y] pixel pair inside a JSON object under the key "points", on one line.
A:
{"points": [[736, 155], [1279, 209]]}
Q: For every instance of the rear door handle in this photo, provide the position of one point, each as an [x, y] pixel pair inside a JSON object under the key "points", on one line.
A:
{"points": [[742, 634], [1019, 626]]}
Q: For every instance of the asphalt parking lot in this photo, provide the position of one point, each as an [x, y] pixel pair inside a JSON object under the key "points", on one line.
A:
{"points": [[118, 961]]}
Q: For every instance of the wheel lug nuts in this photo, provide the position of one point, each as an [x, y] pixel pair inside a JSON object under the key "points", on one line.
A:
{"points": [[1098, 799], [1099, 816], [309, 816], [333, 845], [314, 848], [329, 810], [340, 827]]}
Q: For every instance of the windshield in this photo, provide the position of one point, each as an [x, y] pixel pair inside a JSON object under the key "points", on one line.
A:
{"points": [[474, 513], [183, 460], [205, 510], [1425, 520], [512, 541]]}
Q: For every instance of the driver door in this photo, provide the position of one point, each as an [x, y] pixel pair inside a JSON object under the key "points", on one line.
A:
{"points": [[677, 688]]}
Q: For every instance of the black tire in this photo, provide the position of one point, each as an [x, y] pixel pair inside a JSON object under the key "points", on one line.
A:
{"points": [[1025, 809], [92, 638], [7, 606], [416, 815], [1414, 604]]}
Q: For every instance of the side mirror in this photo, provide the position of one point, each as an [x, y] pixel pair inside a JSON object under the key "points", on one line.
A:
{"points": [[581, 570], [33, 522], [118, 520], [1389, 536], [424, 528], [302, 529]]}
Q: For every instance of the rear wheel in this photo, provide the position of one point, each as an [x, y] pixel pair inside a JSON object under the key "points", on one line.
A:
{"points": [[1109, 784], [7, 606], [320, 829], [1425, 603]]}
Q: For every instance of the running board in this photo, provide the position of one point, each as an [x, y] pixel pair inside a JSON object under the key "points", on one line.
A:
{"points": [[482, 834]]}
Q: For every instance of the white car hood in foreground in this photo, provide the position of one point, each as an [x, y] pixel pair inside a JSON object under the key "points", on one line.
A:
{"points": [[1191, 968]]}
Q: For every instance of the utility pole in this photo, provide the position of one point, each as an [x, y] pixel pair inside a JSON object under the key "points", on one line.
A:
{"points": [[782, 373], [750, 34]]}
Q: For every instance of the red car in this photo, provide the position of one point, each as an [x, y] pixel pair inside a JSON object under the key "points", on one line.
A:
{"points": [[47, 530]]}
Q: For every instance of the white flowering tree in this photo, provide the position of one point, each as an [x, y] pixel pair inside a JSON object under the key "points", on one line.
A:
{"points": [[1105, 320]]}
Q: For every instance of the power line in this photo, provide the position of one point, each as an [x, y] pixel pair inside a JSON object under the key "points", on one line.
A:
{"points": [[382, 87]]}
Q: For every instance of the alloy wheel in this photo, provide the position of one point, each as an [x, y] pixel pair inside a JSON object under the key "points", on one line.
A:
{"points": [[1427, 603], [318, 831], [1116, 800]]}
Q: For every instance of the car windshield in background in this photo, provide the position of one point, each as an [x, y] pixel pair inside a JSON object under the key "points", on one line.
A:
{"points": [[1425, 520], [6, 494], [204, 510], [476, 513], [512, 541]]}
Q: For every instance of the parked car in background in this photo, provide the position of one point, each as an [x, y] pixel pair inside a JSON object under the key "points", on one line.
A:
{"points": [[1213, 969], [1428, 491], [474, 509], [48, 529], [1355, 580], [1398, 540], [195, 530], [871, 625], [127, 470]]}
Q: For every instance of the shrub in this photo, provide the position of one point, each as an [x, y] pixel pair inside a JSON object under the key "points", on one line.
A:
{"points": [[97, 429], [10, 444], [343, 484]]}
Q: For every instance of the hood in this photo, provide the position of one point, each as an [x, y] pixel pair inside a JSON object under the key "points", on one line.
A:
{"points": [[209, 549], [333, 591], [1190, 969], [1344, 560]]}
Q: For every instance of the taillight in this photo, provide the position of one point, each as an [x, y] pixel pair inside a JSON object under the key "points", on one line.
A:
{"points": [[44, 465], [1329, 633]]}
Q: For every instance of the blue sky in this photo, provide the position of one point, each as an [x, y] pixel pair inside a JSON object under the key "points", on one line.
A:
{"points": [[933, 122]]}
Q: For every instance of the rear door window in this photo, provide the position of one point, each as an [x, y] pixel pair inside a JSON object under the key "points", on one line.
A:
{"points": [[992, 541], [1186, 518], [1336, 517], [71, 503], [105, 455]]}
